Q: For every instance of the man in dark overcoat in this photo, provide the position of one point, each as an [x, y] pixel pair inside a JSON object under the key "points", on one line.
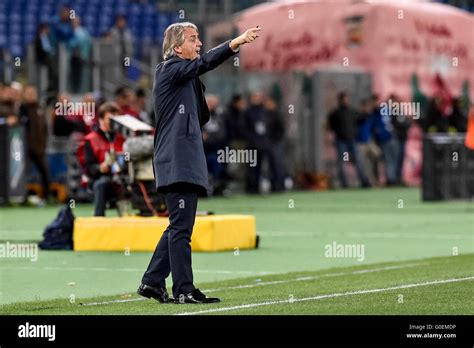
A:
{"points": [[179, 162]]}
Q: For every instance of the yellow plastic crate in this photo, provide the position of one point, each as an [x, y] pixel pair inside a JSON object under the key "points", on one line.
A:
{"points": [[134, 233]]}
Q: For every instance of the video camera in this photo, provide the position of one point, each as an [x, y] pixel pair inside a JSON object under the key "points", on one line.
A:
{"points": [[137, 158]]}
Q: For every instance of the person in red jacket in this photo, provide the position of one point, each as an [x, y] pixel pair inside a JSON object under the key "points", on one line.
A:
{"points": [[100, 149], [125, 98]]}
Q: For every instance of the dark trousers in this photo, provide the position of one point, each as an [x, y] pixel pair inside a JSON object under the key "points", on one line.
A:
{"points": [[389, 150], [103, 192], [275, 157], [254, 172], [347, 147], [400, 158], [77, 72], [173, 252], [277, 166], [39, 161]]}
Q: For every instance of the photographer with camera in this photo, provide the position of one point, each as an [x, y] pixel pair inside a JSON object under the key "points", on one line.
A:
{"points": [[99, 158]]}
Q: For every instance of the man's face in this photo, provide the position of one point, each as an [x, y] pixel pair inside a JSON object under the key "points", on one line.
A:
{"points": [[127, 99], [44, 30], [345, 100], [64, 14], [191, 45], [30, 95], [105, 123], [270, 104], [121, 23], [140, 102], [241, 104], [7, 93], [256, 98]]}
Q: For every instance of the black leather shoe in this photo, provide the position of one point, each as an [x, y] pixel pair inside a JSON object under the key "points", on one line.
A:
{"points": [[196, 296], [159, 294]]}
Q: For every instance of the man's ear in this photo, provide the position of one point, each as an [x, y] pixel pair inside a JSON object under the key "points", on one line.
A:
{"points": [[178, 49]]}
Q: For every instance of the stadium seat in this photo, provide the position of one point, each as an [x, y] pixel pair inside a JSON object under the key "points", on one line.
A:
{"points": [[98, 16], [3, 40]]}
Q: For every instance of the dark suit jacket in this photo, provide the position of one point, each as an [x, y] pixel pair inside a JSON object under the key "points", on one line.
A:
{"points": [[180, 113]]}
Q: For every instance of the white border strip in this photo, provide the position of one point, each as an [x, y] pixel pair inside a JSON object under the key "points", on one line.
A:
{"points": [[320, 297], [283, 281]]}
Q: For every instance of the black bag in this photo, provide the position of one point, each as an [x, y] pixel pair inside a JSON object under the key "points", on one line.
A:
{"points": [[58, 234]]}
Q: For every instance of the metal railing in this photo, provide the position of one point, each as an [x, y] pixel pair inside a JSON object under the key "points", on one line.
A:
{"points": [[104, 72]]}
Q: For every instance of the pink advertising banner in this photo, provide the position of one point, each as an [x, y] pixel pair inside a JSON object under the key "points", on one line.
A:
{"points": [[392, 40]]}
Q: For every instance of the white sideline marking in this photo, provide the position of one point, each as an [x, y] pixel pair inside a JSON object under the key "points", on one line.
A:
{"points": [[283, 281], [113, 301], [246, 286], [320, 297]]}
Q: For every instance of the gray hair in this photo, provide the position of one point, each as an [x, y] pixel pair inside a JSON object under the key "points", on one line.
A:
{"points": [[174, 36]]}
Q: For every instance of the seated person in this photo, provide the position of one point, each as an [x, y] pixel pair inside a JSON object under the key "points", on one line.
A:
{"points": [[101, 147]]}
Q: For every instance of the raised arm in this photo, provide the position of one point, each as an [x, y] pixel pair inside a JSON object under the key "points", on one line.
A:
{"points": [[191, 64]]}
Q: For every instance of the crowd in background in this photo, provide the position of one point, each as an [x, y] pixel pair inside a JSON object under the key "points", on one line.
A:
{"points": [[373, 142], [252, 123], [66, 29], [371, 139]]}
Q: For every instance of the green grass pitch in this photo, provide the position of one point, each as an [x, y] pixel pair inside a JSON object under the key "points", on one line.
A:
{"points": [[418, 259]]}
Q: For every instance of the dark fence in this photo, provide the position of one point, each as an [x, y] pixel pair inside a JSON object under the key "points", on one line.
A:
{"points": [[448, 168]]}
